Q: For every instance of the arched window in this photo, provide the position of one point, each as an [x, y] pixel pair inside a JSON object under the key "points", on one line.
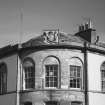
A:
{"points": [[75, 73], [3, 78], [51, 68], [103, 76], [28, 73], [27, 103]]}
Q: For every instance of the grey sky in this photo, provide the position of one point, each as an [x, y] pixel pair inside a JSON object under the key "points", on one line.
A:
{"points": [[48, 14]]}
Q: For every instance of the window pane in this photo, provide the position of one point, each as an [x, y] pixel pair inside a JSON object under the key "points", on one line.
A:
{"points": [[71, 73], [75, 73], [51, 84], [47, 84], [78, 71], [78, 83], [55, 79], [55, 73], [55, 84], [72, 82], [103, 73], [51, 79], [47, 73], [51, 68], [47, 79], [103, 85]]}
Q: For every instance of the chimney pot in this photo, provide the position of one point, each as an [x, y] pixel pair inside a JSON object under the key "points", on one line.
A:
{"points": [[82, 27], [86, 26]]}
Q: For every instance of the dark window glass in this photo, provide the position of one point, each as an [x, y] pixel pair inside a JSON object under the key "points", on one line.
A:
{"points": [[28, 103], [3, 78], [103, 79], [51, 103], [76, 103]]}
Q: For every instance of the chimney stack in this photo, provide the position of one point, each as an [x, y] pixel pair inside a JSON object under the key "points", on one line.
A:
{"points": [[87, 32]]}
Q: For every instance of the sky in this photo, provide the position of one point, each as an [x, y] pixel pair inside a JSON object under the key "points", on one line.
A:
{"points": [[21, 20]]}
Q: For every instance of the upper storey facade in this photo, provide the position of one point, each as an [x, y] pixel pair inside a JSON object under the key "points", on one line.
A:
{"points": [[69, 64]]}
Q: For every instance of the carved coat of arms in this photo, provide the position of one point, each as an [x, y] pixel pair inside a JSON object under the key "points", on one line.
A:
{"points": [[51, 36]]}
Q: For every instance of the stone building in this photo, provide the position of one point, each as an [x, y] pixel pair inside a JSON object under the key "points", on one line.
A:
{"points": [[55, 68]]}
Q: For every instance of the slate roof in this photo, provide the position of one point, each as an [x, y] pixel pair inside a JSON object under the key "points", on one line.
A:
{"points": [[63, 39]]}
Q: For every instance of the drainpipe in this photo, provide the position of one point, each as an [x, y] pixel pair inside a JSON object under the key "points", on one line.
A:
{"points": [[86, 74], [18, 81]]}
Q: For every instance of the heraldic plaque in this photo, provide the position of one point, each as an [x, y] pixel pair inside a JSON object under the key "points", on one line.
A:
{"points": [[51, 36]]}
